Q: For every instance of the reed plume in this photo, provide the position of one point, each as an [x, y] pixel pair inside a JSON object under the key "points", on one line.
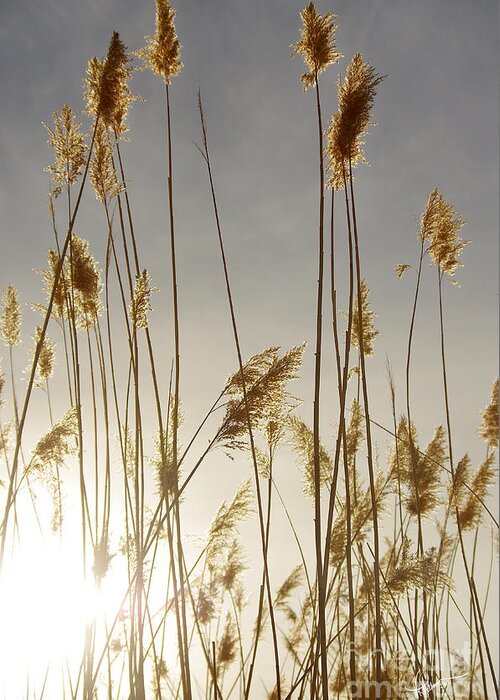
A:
{"points": [[488, 429], [50, 280], [140, 304], [302, 442], [10, 318], [69, 147], [470, 511], [289, 586], [86, 282], [223, 527], [233, 567], [350, 123], [107, 92], [58, 444], [226, 648], [162, 51], [46, 358], [103, 176], [364, 325], [441, 227], [317, 43]]}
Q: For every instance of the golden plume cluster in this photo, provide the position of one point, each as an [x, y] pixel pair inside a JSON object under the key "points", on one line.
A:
{"points": [[140, 304], [363, 328], [69, 148], [10, 320], [54, 447], [302, 443], [162, 51], [350, 123], [86, 282], [102, 170], [107, 92], [419, 470], [317, 43], [440, 225], [467, 491], [46, 358], [489, 424]]}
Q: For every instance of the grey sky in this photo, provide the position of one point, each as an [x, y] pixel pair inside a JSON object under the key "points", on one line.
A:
{"points": [[437, 115]]}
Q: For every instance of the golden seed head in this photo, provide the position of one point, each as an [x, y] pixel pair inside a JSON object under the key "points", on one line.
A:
{"points": [[317, 43], [49, 277], [162, 51], [226, 651], [85, 279], [10, 320], [422, 474], [45, 367], [401, 269], [302, 443], [348, 126], [440, 225], [290, 585], [266, 376], [107, 92], [225, 523], [102, 170], [489, 424], [365, 329], [57, 444], [470, 512], [69, 148], [429, 217], [141, 300], [233, 567]]}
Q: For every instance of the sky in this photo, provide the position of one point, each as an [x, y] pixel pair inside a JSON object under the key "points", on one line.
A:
{"points": [[436, 117]]}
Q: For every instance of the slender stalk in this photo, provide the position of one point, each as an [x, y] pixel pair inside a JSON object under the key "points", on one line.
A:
{"points": [[371, 471], [206, 156]]}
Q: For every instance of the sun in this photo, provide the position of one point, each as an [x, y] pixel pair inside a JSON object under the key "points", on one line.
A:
{"points": [[48, 608]]}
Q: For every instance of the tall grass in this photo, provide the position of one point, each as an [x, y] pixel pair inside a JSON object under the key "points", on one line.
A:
{"points": [[371, 610]]}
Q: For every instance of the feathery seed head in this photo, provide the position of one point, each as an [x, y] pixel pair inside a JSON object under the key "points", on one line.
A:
{"points": [[10, 319], [45, 366], [302, 442], [49, 278], [364, 330], [102, 170], [225, 523], [141, 300], [266, 376], [401, 269], [107, 92], [289, 586], [57, 444], [429, 217], [233, 567], [226, 652], [422, 475], [356, 94], [440, 225], [489, 424], [69, 148], [162, 51], [85, 278], [317, 43], [470, 513]]}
